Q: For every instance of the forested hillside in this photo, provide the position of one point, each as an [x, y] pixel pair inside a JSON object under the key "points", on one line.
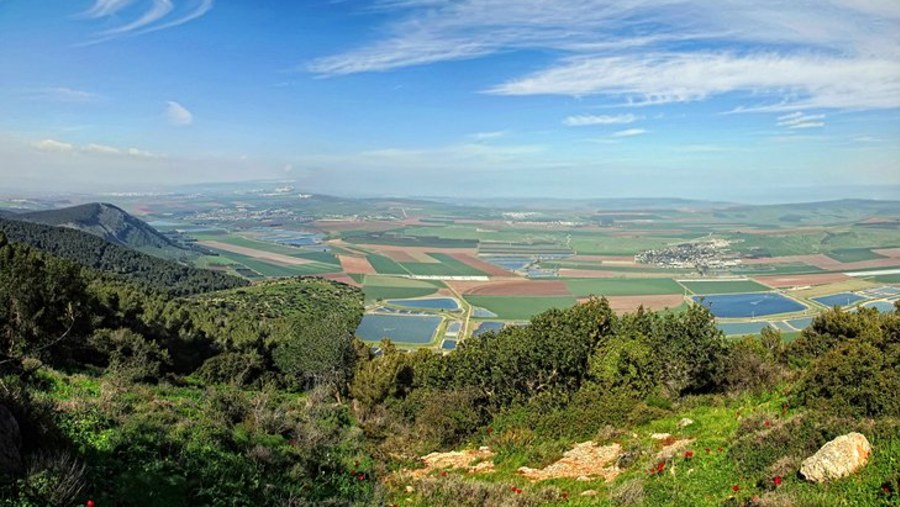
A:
{"points": [[108, 222], [93, 252], [262, 396]]}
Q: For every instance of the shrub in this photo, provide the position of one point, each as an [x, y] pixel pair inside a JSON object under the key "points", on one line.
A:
{"points": [[856, 378], [749, 366], [235, 368]]}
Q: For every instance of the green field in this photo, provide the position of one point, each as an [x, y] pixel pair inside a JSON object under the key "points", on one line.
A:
{"points": [[448, 266], [266, 246], [385, 265], [274, 270], [381, 287], [623, 286], [854, 254], [520, 307], [724, 286], [596, 244], [895, 278]]}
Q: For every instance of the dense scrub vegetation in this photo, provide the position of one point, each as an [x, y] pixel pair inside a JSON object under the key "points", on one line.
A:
{"points": [[261, 395], [93, 252]]}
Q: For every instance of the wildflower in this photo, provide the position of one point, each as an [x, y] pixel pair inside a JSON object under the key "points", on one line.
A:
{"points": [[490, 430], [735, 488], [660, 466], [565, 495], [707, 450], [767, 424], [89, 503], [688, 454], [512, 488], [720, 449], [777, 480], [443, 473], [361, 476]]}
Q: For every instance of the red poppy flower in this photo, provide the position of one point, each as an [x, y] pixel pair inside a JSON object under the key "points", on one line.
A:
{"points": [[767, 424], [490, 430], [565, 495], [735, 488], [512, 488], [777, 480], [89, 503], [688, 454], [707, 450], [518, 491], [443, 473], [361, 476], [720, 449], [660, 466]]}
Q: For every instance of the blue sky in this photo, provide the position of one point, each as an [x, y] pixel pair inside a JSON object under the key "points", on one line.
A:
{"points": [[582, 98]]}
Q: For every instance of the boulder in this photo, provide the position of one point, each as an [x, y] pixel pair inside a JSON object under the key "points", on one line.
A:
{"points": [[10, 444], [838, 458], [684, 423]]}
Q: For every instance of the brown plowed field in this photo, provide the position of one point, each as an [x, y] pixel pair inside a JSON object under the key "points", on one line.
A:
{"points": [[631, 303], [481, 265], [354, 264], [275, 258], [400, 256], [782, 281], [340, 277], [520, 288]]}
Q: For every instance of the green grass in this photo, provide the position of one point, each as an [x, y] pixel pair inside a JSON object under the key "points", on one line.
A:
{"points": [[377, 287], [520, 307], [385, 265], [595, 244], [854, 254], [274, 270], [777, 269], [447, 266], [623, 286], [895, 278], [266, 246], [724, 287]]}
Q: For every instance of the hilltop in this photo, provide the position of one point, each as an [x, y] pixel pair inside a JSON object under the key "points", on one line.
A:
{"points": [[110, 223]]}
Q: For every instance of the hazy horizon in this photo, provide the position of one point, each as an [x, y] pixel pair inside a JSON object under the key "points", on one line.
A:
{"points": [[757, 102]]}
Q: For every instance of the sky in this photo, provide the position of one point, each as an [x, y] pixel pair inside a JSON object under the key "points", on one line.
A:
{"points": [[728, 100]]}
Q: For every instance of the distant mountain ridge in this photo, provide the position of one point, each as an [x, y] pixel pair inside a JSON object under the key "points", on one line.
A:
{"points": [[106, 221]]}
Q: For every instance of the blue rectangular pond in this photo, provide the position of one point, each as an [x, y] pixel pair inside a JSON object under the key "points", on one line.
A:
{"points": [[418, 330], [800, 324], [881, 306], [841, 299], [742, 328], [428, 304], [486, 327], [748, 305]]}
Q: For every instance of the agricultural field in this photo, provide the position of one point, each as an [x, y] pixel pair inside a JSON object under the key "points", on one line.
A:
{"points": [[507, 261]]}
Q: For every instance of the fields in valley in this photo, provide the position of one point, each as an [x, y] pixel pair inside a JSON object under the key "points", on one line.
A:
{"points": [[504, 266]]}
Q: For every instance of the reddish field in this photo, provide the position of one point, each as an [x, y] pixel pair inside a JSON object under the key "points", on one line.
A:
{"points": [[399, 256], [631, 303], [520, 288], [782, 281], [353, 264], [479, 264], [587, 273], [824, 262]]}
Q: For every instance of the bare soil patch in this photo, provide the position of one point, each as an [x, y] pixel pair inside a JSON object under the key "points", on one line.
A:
{"points": [[354, 264], [631, 303], [470, 460], [783, 281], [481, 265]]}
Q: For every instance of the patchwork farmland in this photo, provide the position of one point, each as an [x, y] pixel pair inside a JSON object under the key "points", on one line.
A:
{"points": [[502, 267]]}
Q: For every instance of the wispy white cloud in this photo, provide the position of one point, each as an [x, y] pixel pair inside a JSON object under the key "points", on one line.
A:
{"points": [[178, 115], [630, 133], [830, 54], [95, 149], [51, 145], [149, 15], [801, 120], [484, 136], [101, 149], [62, 94], [589, 119]]}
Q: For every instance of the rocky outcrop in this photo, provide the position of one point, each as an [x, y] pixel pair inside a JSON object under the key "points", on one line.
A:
{"points": [[10, 444], [838, 458], [583, 461]]}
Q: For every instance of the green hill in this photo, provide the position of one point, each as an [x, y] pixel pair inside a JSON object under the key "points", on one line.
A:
{"points": [[93, 252], [110, 223]]}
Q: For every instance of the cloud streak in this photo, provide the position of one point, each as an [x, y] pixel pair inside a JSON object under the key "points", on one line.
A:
{"points": [[55, 146], [835, 54], [148, 16], [589, 119]]}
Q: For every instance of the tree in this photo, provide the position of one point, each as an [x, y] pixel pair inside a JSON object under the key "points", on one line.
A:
{"points": [[316, 352]]}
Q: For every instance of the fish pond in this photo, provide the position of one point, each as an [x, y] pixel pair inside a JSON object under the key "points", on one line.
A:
{"points": [[427, 304], [748, 305], [841, 299], [416, 330]]}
